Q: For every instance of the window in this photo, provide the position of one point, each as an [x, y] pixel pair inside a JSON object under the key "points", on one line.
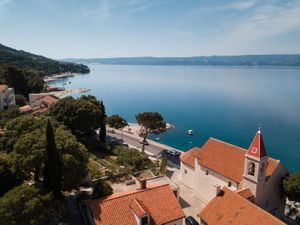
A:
{"points": [[185, 171], [229, 183], [145, 220], [251, 168], [207, 172]]}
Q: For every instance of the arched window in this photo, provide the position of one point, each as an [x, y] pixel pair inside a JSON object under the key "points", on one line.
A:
{"points": [[251, 168]]}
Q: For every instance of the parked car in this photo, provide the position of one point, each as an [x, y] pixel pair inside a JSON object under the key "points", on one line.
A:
{"points": [[172, 155], [173, 152], [146, 142], [191, 221]]}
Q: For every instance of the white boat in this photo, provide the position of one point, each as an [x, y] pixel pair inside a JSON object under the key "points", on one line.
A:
{"points": [[190, 131]]}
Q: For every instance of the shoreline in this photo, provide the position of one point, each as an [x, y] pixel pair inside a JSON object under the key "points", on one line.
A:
{"points": [[133, 130], [55, 77], [63, 92]]}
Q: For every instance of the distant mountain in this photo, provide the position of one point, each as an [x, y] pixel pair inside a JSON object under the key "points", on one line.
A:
{"points": [[45, 66], [241, 60]]}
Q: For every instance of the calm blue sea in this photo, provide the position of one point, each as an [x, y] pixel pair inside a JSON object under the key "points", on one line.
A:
{"points": [[228, 103]]}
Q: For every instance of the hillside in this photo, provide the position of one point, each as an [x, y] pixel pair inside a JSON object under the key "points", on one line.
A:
{"points": [[45, 66], [242, 60]]}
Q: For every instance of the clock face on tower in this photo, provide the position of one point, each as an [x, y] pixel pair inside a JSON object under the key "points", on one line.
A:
{"points": [[251, 168], [254, 150]]}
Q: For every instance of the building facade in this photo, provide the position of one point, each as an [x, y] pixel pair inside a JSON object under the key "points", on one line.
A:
{"points": [[7, 97], [219, 164]]}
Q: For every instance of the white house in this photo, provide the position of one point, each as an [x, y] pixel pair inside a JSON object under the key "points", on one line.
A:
{"points": [[218, 164], [7, 97]]}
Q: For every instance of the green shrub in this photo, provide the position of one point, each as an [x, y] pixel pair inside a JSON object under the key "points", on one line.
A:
{"points": [[102, 189], [163, 166], [133, 158]]}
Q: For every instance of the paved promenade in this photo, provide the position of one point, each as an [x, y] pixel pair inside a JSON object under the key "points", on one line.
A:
{"points": [[153, 149]]}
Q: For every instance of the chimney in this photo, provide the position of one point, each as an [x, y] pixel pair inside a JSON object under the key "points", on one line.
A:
{"points": [[218, 189], [143, 183]]}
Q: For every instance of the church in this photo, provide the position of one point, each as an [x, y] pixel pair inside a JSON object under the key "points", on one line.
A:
{"points": [[250, 172]]}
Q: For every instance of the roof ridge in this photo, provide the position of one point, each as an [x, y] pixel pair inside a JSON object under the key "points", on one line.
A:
{"points": [[111, 197], [227, 143]]}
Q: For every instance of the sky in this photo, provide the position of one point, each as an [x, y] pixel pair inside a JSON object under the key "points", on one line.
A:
{"points": [[115, 28]]}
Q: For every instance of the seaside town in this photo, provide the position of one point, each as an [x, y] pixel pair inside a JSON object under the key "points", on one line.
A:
{"points": [[149, 112], [135, 180]]}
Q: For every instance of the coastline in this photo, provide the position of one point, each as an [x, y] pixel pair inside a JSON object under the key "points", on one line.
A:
{"points": [[61, 92], [55, 77], [132, 130]]}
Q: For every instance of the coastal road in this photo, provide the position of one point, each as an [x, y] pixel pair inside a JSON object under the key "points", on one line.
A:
{"points": [[153, 149]]}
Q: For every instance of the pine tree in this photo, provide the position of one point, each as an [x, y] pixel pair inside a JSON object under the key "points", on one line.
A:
{"points": [[52, 172], [102, 133]]}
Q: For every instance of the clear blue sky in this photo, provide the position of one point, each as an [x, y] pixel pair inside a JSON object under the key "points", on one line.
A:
{"points": [[110, 28]]}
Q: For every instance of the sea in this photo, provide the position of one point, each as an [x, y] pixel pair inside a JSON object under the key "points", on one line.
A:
{"points": [[227, 103]]}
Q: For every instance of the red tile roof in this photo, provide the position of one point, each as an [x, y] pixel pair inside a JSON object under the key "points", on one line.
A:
{"points": [[159, 201], [49, 99], [25, 108], [189, 157], [245, 193], [230, 208], [139, 208], [223, 158]]}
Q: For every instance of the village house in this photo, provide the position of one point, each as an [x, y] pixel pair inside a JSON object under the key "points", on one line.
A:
{"points": [[7, 97], [218, 164], [153, 205], [39, 103]]}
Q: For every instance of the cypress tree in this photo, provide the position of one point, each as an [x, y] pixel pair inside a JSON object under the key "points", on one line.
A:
{"points": [[52, 173], [102, 133]]}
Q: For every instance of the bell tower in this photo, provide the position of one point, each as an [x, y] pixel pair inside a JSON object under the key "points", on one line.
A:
{"points": [[256, 160]]}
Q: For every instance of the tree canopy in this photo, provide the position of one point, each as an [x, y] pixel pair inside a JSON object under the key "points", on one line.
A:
{"points": [[102, 189], [132, 159], [24, 139], [102, 131], [52, 170], [26, 205], [18, 126], [116, 121], [8, 179], [291, 186], [24, 81], [43, 65], [8, 114], [82, 116], [150, 122]]}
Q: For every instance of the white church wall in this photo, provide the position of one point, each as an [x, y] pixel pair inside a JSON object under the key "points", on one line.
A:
{"points": [[187, 175], [270, 195], [206, 184]]}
